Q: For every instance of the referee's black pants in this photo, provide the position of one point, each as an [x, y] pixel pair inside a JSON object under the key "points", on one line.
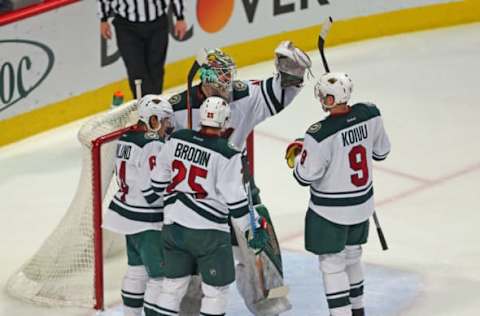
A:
{"points": [[143, 47]]}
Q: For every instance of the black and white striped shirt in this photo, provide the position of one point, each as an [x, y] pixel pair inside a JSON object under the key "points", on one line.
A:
{"points": [[138, 10]]}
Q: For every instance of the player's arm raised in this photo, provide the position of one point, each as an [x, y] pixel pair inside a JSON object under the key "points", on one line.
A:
{"points": [[272, 95]]}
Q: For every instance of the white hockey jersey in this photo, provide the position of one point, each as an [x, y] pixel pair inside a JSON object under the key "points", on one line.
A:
{"points": [[336, 162], [253, 102], [135, 206], [200, 177]]}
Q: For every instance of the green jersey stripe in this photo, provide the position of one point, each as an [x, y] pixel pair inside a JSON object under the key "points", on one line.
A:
{"points": [[239, 212], [136, 216], [345, 192], [236, 203], [194, 207], [125, 205], [270, 108], [300, 180], [152, 198], [323, 201], [278, 106]]}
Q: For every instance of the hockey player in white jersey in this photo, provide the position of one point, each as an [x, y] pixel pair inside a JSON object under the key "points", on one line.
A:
{"points": [[136, 211], [251, 102], [335, 160], [202, 178]]}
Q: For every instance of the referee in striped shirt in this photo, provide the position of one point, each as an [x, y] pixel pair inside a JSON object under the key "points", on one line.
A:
{"points": [[141, 29]]}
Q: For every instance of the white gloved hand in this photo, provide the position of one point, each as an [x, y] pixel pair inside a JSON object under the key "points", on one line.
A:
{"points": [[291, 62]]}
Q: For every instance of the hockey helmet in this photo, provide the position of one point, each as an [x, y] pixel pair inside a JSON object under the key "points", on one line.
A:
{"points": [[154, 105], [335, 84], [214, 112]]}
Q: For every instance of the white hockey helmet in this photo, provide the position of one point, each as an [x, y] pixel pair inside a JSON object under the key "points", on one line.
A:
{"points": [[336, 84], [154, 105], [214, 112]]}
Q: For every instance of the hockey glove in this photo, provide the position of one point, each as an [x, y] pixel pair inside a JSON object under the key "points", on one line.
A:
{"points": [[291, 62], [293, 150], [259, 241]]}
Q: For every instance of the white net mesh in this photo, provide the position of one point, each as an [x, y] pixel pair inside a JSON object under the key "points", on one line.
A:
{"points": [[61, 272]]}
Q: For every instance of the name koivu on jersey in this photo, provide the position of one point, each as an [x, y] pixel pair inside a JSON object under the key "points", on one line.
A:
{"points": [[354, 135], [193, 154]]}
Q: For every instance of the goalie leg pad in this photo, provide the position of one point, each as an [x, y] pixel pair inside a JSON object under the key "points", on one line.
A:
{"points": [[171, 293], [355, 275], [335, 280], [214, 301], [133, 290]]}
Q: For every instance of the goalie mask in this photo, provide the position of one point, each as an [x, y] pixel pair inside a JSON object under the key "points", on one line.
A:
{"points": [[214, 112], [158, 106], [218, 71], [335, 84]]}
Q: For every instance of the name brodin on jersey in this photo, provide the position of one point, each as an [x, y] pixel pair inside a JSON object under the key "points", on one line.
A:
{"points": [[354, 135], [193, 154]]}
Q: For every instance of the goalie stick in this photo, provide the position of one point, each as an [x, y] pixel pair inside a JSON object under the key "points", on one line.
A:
{"points": [[321, 48], [276, 292]]}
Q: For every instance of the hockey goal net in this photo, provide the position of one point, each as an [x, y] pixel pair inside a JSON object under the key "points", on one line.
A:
{"points": [[67, 270]]}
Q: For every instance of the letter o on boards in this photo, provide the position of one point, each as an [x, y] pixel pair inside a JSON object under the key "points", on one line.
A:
{"points": [[7, 75]]}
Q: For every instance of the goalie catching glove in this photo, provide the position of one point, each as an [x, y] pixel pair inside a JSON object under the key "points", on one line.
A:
{"points": [[260, 238], [293, 150], [291, 62]]}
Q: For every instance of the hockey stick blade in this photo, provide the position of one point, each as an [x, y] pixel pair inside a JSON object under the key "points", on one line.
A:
{"points": [[321, 41]]}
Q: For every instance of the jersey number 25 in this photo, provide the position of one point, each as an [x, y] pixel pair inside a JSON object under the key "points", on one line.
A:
{"points": [[193, 173]]}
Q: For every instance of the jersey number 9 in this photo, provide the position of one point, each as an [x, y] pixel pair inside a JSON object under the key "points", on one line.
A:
{"points": [[358, 162]]}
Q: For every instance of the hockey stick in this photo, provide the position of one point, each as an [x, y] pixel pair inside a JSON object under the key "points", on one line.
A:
{"points": [[321, 41], [321, 47], [383, 241], [191, 74], [138, 88], [276, 292]]}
